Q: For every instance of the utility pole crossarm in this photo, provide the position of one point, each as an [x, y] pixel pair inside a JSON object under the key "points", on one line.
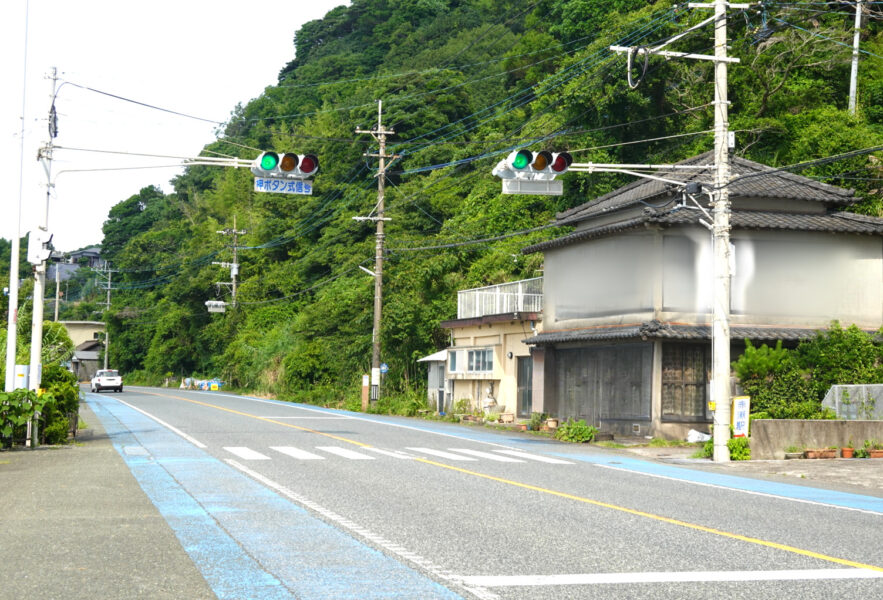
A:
{"points": [[668, 54]]}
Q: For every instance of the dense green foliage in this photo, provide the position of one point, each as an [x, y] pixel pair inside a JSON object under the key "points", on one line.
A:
{"points": [[462, 83], [791, 384], [576, 431]]}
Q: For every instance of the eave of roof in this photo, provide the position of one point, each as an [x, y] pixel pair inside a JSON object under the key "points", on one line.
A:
{"points": [[835, 222], [488, 319], [749, 179], [668, 331]]}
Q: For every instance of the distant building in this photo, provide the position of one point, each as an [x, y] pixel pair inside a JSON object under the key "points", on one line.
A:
{"points": [[87, 337]]}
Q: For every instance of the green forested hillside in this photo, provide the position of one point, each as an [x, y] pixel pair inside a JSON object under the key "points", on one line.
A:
{"points": [[462, 83]]}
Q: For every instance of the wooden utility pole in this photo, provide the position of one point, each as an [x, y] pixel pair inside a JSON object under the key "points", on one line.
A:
{"points": [[379, 134]]}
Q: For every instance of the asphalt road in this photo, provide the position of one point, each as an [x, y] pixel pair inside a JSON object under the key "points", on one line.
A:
{"points": [[278, 500]]}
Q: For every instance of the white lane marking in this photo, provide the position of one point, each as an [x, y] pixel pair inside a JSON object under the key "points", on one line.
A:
{"points": [[393, 453], [538, 457], [442, 454], [662, 577], [487, 455], [596, 464], [732, 489], [171, 428], [246, 453], [297, 453], [370, 536], [345, 452], [353, 417]]}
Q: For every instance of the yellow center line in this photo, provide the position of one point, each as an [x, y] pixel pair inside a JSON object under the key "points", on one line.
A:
{"points": [[526, 486], [259, 418]]}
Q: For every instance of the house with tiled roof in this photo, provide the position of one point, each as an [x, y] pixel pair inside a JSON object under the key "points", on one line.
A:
{"points": [[626, 337]]}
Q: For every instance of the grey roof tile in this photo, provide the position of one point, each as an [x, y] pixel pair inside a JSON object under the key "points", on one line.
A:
{"points": [[750, 179], [669, 331]]}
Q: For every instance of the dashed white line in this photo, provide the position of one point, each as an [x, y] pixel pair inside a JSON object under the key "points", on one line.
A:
{"points": [[393, 453], [537, 457], [297, 453], [487, 455], [246, 453], [345, 452], [442, 454]]}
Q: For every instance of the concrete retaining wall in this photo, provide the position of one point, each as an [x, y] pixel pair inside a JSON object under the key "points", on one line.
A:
{"points": [[770, 437]]}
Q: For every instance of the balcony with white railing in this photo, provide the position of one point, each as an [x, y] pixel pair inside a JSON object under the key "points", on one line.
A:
{"points": [[525, 296]]}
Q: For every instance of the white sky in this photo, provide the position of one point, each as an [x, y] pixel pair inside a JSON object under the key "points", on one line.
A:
{"points": [[199, 57]]}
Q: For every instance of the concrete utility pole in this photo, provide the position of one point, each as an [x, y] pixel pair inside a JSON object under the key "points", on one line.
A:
{"points": [[109, 273], [45, 155], [57, 291], [379, 134], [234, 266], [720, 335], [853, 76], [720, 317]]}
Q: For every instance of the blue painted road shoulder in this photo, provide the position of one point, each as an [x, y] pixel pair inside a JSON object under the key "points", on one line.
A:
{"points": [[247, 540], [735, 482]]}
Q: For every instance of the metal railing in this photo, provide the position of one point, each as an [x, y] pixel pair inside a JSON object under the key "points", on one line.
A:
{"points": [[513, 297]]}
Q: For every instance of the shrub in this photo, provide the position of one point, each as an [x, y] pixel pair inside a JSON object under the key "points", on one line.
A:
{"points": [[536, 420], [739, 448], [576, 431]]}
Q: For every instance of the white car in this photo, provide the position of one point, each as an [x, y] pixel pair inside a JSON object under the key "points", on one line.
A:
{"points": [[107, 380]]}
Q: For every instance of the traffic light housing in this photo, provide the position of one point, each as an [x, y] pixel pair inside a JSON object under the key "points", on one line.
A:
{"points": [[524, 164], [39, 246], [526, 172], [286, 166]]}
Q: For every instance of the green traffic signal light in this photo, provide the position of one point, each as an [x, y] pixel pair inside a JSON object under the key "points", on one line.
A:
{"points": [[269, 160], [520, 159]]}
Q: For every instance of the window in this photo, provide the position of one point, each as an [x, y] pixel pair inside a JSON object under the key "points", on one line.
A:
{"points": [[452, 361], [480, 361]]}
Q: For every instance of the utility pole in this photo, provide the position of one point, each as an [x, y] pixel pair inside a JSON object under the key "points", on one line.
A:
{"points": [[234, 266], [720, 334], [720, 317], [379, 134], [109, 274], [853, 76], [45, 155], [57, 291]]}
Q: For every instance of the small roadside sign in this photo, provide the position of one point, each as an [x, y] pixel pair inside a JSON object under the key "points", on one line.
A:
{"points": [[276, 185], [384, 368], [739, 415]]}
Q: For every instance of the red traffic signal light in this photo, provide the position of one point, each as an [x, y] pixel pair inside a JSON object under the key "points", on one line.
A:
{"points": [[309, 164], [560, 162]]}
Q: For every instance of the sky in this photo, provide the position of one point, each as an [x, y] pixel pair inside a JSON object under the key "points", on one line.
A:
{"points": [[196, 57]]}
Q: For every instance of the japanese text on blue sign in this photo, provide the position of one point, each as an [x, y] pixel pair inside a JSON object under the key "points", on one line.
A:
{"points": [[283, 186]]}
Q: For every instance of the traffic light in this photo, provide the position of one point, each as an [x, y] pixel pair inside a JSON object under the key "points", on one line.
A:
{"points": [[524, 164], [287, 166], [525, 172], [39, 246]]}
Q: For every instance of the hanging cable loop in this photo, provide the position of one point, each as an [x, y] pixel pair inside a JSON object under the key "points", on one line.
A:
{"points": [[632, 50]]}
